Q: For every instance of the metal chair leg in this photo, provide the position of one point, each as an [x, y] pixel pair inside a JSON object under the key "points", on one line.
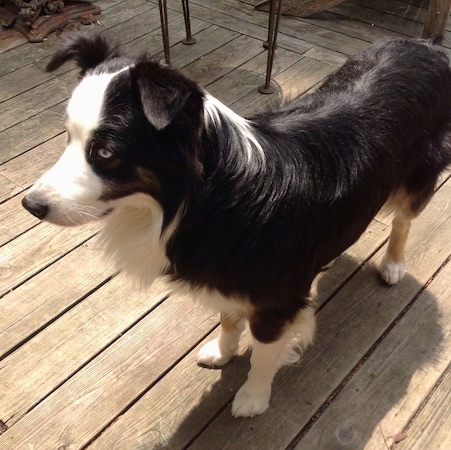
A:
{"points": [[189, 40], [273, 28], [165, 29]]}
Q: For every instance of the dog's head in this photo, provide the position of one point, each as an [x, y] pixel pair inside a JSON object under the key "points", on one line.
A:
{"points": [[133, 133]]}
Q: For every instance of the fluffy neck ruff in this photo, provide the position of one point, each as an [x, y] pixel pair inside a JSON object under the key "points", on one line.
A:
{"points": [[132, 237]]}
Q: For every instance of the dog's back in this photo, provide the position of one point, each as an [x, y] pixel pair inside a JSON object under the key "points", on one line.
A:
{"points": [[378, 129]]}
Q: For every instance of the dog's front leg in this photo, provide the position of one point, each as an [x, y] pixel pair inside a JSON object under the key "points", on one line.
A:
{"points": [[253, 397], [220, 351]]}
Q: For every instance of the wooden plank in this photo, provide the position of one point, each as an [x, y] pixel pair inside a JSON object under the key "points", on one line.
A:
{"points": [[247, 78], [33, 371], [220, 62], [177, 412], [380, 18], [326, 56], [188, 398], [10, 39], [139, 20], [301, 8], [31, 252], [22, 80], [387, 389], [22, 172], [244, 22], [348, 26], [208, 40], [7, 188], [94, 397], [348, 327], [289, 84], [32, 132], [29, 53], [410, 10], [35, 100], [288, 26], [27, 168], [432, 428], [14, 220], [30, 308]]}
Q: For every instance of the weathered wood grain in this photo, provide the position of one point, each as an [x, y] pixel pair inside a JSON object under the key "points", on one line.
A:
{"points": [[248, 77], [289, 84], [14, 220], [22, 80], [326, 56], [208, 40], [383, 20], [396, 378], [36, 100], [292, 27], [28, 167], [301, 8], [432, 428], [257, 27], [34, 250], [93, 397], [30, 307], [7, 188], [32, 132], [84, 331], [113, 14], [223, 60]]}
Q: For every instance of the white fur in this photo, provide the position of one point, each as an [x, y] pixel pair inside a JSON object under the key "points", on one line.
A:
{"points": [[253, 397], [220, 351], [254, 150], [71, 187], [132, 237], [392, 271]]}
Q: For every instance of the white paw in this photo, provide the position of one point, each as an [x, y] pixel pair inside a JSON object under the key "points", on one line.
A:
{"points": [[391, 271], [211, 355], [250, 402]]}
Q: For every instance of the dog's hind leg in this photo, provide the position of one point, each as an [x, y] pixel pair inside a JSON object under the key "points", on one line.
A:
{"points": [[220, 351], [407, 207], [393, 266], [267, 357]]}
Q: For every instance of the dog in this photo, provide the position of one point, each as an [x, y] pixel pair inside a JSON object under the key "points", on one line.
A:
{"points": [[244, 213]]}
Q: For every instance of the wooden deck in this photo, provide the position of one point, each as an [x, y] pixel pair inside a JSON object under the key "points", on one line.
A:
{"points": [[88, 361]]}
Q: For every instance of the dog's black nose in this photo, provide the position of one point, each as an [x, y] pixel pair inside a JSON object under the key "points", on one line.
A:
{"points": [[37, 208]]}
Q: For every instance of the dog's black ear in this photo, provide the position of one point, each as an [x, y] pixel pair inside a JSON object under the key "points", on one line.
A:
{"points": [[88, 52], [166, 95]]}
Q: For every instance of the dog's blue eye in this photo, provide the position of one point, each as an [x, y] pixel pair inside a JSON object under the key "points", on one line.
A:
{"points": [[104, 153]]}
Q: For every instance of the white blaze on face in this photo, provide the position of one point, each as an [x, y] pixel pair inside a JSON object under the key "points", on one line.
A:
{"points": [[71, 189]]}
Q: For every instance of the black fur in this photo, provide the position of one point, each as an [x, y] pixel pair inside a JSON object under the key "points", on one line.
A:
{"points": [[264, 227]]}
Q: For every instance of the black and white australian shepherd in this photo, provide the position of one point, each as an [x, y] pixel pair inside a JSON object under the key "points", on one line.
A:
{"points": [[244, 213]]}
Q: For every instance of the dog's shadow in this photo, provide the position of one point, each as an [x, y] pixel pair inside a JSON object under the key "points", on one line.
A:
{"points": [[338, 376]]}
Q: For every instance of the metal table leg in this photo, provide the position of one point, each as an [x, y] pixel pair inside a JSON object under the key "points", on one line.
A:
{"points": [[189, 40], [165, 29], [273, 28]]}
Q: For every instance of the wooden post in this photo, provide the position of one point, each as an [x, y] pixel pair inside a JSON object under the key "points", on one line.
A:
{"points": [[436, 18]]}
